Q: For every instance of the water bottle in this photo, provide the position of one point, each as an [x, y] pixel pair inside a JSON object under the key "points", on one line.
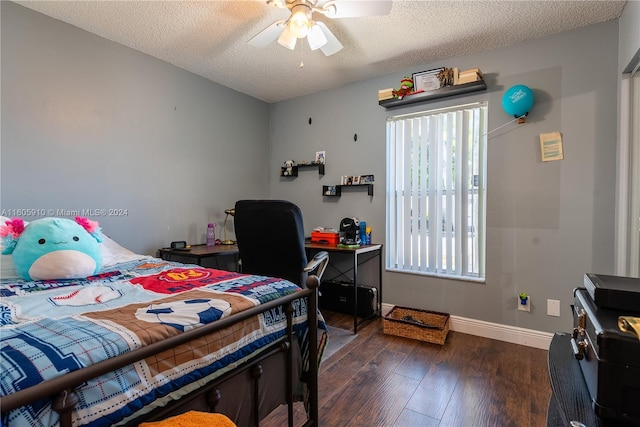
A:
{"points": [[362, 235], [211, 235]]}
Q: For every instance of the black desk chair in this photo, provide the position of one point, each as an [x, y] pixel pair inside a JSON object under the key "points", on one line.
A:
{"points": [[270, 236]]}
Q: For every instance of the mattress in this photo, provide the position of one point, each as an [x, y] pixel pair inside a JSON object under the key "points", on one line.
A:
{"points": [[49, 328]]}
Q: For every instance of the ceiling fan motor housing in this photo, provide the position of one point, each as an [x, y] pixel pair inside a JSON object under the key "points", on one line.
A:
{"points": [[300, 20]]}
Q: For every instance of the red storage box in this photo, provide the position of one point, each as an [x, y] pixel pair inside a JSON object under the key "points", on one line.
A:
{"points": [[325, 237]]}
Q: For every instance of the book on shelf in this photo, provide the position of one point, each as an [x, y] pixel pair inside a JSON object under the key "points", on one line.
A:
{"points": [[468, 78], [471, 71], [384, 94], [456, 75]]}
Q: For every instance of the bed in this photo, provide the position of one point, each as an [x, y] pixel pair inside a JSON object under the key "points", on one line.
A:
{"points": [[146, 339]]}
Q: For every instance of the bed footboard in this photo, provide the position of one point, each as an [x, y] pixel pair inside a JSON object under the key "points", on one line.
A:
{"points": [[246, 395], [60, 390]]}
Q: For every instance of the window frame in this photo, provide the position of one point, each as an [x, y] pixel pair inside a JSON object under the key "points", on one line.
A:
{"points": [[414, 252]]}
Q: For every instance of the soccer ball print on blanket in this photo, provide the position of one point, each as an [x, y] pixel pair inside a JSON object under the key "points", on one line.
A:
{"points": [[185, 315]]}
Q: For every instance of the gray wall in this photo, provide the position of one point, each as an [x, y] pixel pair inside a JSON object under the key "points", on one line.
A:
{"points": [[547, 223], [629, 49], [87, 124], [90, 124]]}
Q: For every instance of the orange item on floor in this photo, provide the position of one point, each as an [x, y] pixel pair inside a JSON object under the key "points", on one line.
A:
{"points": [[193, 419]]}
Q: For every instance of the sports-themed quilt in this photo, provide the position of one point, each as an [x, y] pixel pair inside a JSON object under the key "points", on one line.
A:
{"points": [[49, 328]]}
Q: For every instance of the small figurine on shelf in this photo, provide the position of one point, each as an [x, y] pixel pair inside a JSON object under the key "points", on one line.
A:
{"points": [[289, 167], [406, 87], [446, 77]]}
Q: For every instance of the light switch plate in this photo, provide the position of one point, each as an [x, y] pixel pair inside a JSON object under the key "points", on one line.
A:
{"points": [[553, 307]]}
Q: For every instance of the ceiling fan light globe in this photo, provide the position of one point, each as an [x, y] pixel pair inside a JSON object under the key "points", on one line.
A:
{"points": [[299, 24], [287, 39], [316, 37]]}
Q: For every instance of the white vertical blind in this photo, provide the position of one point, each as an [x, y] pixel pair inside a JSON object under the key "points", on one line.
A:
{"points": [[436, 174]]}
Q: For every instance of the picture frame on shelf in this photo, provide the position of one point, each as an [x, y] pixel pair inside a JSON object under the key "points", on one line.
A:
{"points": [[330, 190], [366, 179], [427, 80], [320, 157], [356, 180]]}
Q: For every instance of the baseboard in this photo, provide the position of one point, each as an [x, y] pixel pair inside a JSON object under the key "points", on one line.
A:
{"points": [[386, 308], [496, 331]]}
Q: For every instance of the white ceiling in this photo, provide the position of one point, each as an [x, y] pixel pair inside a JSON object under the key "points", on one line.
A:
{"points": [[209, 38]]}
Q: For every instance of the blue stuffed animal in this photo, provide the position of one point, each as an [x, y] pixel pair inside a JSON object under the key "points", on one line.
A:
{"points": [[53, 248]]}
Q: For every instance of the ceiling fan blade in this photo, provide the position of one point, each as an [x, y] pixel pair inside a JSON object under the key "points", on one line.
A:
{"points": [[269, 34], [355, 8], [333, 45]]}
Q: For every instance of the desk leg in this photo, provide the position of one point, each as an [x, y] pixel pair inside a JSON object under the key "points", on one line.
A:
{"points": [[380, 281], [355, 292], [377, 254]]}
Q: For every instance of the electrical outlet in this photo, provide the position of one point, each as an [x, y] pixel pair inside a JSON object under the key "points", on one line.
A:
{"points": [[553, 307], [524, 307]]}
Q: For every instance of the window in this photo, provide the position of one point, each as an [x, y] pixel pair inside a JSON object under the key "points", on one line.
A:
{"points": [[436, 192], [627, 252]]}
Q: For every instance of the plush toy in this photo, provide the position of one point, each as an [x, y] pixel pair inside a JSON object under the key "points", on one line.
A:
{"points": [[406, 87], [193, 418], [289, 167], [53, 248]]}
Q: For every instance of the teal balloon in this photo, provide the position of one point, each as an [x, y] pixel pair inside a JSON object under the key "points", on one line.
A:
{"points": [[517, 100]]}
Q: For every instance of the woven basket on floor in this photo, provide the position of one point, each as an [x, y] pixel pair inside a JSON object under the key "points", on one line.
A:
{"points": [[423, 325]]}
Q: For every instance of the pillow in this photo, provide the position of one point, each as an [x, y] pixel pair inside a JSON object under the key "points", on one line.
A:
{"points": [[113, 253], [7, 269], [53, 248]]}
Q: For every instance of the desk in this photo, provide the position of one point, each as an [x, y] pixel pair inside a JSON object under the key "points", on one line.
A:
{"points": [[198, 253], [368, 252], [361, 255]]}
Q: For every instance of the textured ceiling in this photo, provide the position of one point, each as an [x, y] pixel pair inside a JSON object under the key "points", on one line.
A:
{"points": [[209, 38]]}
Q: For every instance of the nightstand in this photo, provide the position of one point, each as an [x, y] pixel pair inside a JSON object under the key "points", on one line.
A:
{"points": [[202, 255]]}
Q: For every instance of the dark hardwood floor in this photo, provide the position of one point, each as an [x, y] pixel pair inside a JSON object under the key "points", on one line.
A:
{"points": [[383, 380]]}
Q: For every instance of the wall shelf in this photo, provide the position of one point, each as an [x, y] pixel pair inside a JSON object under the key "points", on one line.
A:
{"points": [[431, 95], [294, 169], [327, 189]]}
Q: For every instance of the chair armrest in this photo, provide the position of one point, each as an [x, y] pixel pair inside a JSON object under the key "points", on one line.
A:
{"points": [[318, 264]]}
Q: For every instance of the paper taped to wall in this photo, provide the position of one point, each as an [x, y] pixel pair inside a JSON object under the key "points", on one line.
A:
{"points": [[551, 146]]}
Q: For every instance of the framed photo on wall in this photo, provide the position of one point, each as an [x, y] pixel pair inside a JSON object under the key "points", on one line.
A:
{"points": [[427, 80]]}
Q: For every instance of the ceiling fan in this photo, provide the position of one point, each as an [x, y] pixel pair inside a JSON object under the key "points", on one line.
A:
{"points": [[301, 24]]}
